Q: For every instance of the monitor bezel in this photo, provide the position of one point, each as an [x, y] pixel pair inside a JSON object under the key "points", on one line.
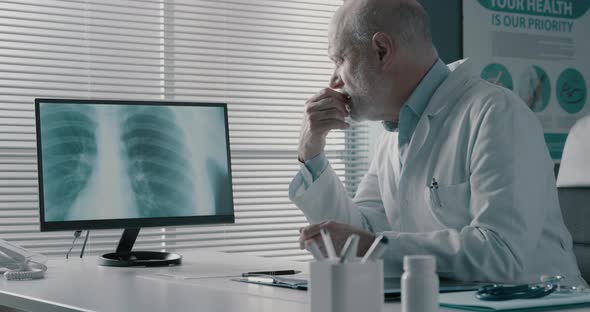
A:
{"points": [[47, 226]]}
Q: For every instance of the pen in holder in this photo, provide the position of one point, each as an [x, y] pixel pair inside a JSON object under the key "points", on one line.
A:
{"points": [[349, 286]]}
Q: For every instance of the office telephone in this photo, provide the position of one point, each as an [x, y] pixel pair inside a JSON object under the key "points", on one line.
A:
{"points": [[18, 263]]}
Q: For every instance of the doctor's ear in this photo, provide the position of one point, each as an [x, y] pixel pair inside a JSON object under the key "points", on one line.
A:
{"points": [[384, 46]]}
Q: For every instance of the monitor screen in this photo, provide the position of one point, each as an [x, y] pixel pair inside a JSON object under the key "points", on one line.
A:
{"points": [[124, 164]]}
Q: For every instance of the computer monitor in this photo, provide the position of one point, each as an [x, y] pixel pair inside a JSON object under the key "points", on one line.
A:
{"points": [[105, 164]]}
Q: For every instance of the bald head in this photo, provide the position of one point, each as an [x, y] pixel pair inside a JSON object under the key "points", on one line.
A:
{"points": [[405, 21]]}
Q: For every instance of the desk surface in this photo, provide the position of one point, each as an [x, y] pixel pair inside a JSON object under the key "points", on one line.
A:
{"points": [[82, 285]]}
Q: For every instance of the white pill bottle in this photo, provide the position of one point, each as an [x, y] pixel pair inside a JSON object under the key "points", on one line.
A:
{"points": [[419, 284]]}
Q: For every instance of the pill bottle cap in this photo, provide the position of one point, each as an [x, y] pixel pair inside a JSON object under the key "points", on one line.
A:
{"points": [[419, 263]]}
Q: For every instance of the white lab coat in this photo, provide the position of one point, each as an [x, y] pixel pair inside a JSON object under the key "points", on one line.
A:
{"points": [[498, 217]]}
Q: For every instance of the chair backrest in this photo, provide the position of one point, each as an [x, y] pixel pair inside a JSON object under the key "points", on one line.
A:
{"points": [[573, 187], [574, 170], [575, 207]]}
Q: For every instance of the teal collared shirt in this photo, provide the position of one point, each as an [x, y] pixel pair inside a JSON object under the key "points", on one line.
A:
{"points": [[415, 105], [410, 114]]}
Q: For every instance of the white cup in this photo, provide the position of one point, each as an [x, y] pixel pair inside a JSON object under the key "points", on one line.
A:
{"points": [[346, 287]]}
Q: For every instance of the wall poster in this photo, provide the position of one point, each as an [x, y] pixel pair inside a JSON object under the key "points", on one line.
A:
{"points": [[540, 49]]}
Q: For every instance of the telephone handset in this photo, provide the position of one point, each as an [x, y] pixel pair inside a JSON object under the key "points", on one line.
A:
{"points": [[18, 263]]}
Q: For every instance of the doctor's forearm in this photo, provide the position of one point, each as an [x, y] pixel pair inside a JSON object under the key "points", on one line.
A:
{"points": [[317, 165], [474, 254], [324, 199]]}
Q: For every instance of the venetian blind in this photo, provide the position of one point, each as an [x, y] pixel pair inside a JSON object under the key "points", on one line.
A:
{"points": [[262, 57]]}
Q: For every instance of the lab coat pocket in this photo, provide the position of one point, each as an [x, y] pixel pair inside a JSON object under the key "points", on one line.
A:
{"points": [[449, 204]]}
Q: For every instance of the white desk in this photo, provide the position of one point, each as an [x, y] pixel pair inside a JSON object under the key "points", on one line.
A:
{"points": [[81, 285]]}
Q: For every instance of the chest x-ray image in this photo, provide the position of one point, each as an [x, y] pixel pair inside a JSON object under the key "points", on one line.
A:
{"points": [[103, 161]]}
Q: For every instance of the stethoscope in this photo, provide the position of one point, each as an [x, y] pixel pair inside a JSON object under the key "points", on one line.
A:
{"points": [[548, 285]]}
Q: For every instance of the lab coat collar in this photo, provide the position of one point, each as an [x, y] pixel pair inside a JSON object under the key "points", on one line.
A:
{"points": [[418, 100], [461, 72]]}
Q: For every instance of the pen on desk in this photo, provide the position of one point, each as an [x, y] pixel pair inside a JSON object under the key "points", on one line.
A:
{"points": [[350, 248], [279, 272], [329, 245], [315, 251], [376, 250]]}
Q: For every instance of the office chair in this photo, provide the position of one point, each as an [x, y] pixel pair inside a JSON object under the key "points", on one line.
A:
{"points": [[573, 188]]}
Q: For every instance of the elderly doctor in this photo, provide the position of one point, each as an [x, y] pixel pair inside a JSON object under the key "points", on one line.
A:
{"points": [[495, 215]]}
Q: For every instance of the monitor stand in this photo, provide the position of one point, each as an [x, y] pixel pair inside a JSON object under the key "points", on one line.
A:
{"points": [[124, 257]]}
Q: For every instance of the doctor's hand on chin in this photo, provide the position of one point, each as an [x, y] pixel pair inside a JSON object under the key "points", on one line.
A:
{"points": [[339, 232], [324, 111]]}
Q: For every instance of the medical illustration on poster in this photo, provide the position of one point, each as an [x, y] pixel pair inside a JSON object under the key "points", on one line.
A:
{"points": [[539, 49]]}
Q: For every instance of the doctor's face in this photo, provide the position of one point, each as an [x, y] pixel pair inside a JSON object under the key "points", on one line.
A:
{"points": [[356, 76]]}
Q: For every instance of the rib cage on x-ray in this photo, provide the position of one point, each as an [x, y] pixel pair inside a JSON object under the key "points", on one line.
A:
{"points": [[156, 174], [69, 153], [157, 161]]}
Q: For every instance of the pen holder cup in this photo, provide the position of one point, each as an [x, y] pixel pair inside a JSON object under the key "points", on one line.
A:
{"points": [[346, 287]]}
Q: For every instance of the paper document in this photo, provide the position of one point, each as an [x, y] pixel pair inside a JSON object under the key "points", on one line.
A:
{"points": [[467, 301], [294, 283]]}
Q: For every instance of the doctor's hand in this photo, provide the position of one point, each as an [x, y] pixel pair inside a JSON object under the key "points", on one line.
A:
{"points": [[339, 233], [323, 112]]}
